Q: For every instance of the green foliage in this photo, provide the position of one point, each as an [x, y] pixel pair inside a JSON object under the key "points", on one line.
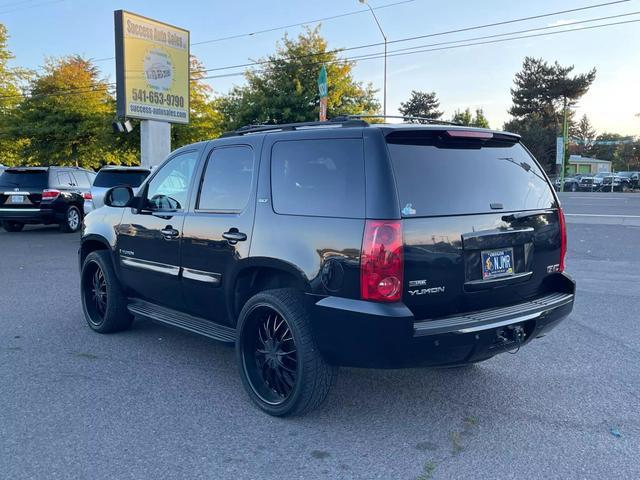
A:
{"points": [[285, 88], [464, 117], [582, 137], [10, 97], [541, 92], [421, 104], [545, 89], [537, 135], [67, 115], [623, 151]]}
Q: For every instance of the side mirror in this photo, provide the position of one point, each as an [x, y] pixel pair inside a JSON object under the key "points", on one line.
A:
{"points": [[118, 196]]}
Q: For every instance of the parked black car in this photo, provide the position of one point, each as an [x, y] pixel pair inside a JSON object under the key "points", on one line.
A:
{"points": [[592, 183], [622, 182], [323, 244], [571, 184], [43, 195], [629, 180]]}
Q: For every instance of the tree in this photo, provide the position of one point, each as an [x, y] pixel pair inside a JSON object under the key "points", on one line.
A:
{"points": [[10, 97], [67, 116], [205, 121], [284, 89], [547, 89], [421, 104], [623, 151], [584, 134], [540, 94], [465, 118], [536, 135]]}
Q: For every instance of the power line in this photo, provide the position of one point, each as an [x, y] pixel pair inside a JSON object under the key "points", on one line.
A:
{"points": [[309, 22], [13, 4], [27, 7], [489, 39], [407, 39], [518, 38], [284, 27], [548, 27], [418, 37], [451, 47]]}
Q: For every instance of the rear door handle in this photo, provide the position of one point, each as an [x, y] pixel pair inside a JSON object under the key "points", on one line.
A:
{"points": [[234, 236], [169, 232]]}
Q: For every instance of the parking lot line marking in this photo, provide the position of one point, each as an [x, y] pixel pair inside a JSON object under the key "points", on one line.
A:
{"points": [[600, 215], [600, 198]]}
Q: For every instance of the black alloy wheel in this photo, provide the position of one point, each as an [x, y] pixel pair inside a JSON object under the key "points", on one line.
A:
{"points": [[95, 294], [270, 356], [103, 301], [280, 365]]}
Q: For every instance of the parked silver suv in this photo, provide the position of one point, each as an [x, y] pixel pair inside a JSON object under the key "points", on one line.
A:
{"points": [[112, 176]]}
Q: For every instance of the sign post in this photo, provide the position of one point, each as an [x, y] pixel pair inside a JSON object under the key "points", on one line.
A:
{"points": [[152, 80], [323, 89]]}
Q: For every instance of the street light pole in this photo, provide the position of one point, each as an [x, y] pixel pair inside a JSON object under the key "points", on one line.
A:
{"points": [[384, 102]]}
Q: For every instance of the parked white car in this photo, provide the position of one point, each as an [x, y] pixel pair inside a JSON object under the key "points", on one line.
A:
{"points": [[111, 176]]}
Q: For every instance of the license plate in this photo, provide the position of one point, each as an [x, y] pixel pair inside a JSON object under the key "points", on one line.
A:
{"points": [[17, 198], [497, 263]]}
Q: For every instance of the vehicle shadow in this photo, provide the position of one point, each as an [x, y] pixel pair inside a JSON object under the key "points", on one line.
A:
{"points": [[40, 229], [395, 397]]}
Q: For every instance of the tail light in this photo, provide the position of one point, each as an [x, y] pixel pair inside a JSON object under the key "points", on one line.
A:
{"points": [[87, 196], [381, 261], [563, 238], [50, 195]]}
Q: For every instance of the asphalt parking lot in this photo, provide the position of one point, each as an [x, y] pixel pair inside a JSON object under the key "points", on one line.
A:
{"points": [[159, 403]]}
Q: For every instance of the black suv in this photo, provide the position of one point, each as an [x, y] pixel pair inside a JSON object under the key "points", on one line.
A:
{"points": [[43, 195], [340, 243]]}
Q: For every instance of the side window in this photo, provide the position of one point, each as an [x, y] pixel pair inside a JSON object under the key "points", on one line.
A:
{"points": [[228, 178], [81, 180], [168, 189], [318, 178], [64, 179]]}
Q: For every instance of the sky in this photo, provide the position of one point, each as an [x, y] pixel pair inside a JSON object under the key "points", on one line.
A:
{"points": [[477, 76]]}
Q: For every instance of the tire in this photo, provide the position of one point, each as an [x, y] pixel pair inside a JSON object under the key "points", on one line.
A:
{"points": [[574, 187], [72, 220], [108, 313], [288, 375], [11, 226]]}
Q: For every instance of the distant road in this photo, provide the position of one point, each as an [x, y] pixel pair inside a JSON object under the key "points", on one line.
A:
{"points": [[602, 208]]}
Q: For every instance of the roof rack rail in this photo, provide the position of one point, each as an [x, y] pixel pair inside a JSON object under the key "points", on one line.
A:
{"points": [[432, 121], [335, 122]]}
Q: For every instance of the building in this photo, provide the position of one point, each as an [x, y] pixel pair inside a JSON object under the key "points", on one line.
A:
{"points": [[585, 165]]}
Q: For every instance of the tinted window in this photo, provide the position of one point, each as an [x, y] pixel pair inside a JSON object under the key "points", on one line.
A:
{"points": [[24, 179], [227, 179], [436, 178], [318, 177], [64, 179], [111, 178], [82, 180], [169, 188]]}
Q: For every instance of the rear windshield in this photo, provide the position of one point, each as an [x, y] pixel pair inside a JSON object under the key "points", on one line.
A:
{"points": [[111, 178], [24, 179], [445, 177]]}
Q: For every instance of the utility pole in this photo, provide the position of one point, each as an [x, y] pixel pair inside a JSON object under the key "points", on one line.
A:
{"points": [[565, 140], [384, 103]]}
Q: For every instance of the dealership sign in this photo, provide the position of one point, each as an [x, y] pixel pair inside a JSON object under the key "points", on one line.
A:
{"points": [[152, 69]]}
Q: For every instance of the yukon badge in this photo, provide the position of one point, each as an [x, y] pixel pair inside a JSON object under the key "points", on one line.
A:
{"points": [[426, 291]]}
